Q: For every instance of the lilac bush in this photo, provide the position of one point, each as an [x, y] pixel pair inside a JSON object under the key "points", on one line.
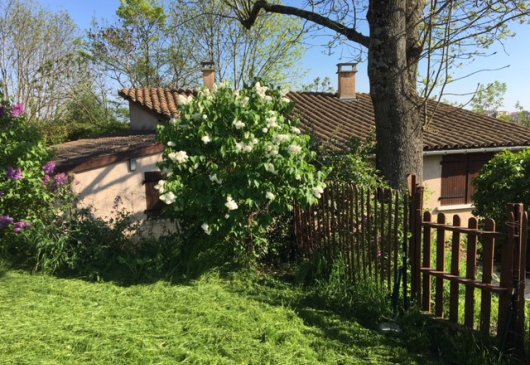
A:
{"points": [[234, 161], [28, 184]]}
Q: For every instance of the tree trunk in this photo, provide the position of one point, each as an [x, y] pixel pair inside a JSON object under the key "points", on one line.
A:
{"points": [[392, 66]]}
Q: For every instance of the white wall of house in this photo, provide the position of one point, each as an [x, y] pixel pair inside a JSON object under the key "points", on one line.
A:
{"points": [[141, 119], [99, 187]]}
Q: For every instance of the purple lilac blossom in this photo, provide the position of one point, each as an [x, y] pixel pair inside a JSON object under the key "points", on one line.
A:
{"points": [[18, 110], [14, 174], [49, 168], [46, 180], [21, 226], [61, 179], [5, 221], [2, 194]]}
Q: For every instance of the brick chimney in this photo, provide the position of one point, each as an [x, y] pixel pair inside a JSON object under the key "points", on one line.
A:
{"points": [[346, 72], [208, 74]]}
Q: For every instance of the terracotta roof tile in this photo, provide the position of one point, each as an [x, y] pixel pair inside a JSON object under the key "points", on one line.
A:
{"points": [[335, 121]]}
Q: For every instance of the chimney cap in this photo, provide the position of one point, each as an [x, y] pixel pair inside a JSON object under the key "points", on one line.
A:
{"points": [[208, 65], [343, 67]]}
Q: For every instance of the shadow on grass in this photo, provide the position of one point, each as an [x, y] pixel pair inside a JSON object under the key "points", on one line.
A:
{"points": [[347, 327]]}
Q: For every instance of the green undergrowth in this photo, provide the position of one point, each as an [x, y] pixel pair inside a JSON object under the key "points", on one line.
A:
{"points": [[238, 318]]}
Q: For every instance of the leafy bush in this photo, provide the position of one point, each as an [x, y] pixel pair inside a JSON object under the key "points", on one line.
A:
{"points": [[234, 161], [29, 188], [354, 166], [503, 180]]}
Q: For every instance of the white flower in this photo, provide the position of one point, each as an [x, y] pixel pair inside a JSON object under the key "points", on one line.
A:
{"points": [[196, 116], [239, 146], [285, 100], [267, 98], [238, 124], [215, 179], [160, 186], [270, 195], [168, 198], [205, 91], [283, 92], [171, 144], [227, 216], [230, 203], [173, 121], [255, 141], [271, 121], [247, 148], [272, 151], [244, 101], [180, 156], [295, 130], [317, 191], [206, 139], [280, 138], [265, 130], [206, 228], [294, 149], [260, 90], [183, 99]]}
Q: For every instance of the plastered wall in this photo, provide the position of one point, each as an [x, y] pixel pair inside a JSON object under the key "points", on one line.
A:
{"points": [[141, 119], [99, 188]]}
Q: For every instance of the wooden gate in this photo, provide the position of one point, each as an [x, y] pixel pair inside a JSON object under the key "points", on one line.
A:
{"points": [[472, 288]]}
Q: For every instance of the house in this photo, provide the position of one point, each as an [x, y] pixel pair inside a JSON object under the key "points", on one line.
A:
{"points": [[457, 143]]}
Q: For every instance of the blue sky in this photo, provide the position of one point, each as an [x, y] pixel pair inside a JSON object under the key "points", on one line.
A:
{"points": [[515, 54]]}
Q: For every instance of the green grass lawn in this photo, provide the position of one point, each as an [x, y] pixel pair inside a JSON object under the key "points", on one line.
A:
{"points": [[213, 320]]}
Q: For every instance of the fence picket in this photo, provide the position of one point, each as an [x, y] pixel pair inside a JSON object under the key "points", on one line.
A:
{"points": [[455, 270], [426, 289], [440, 264], [471, 265]]}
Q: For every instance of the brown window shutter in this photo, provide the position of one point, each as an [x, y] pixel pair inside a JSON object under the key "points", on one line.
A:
{"points": [[454, 180], [153, 204], [476, 162]]}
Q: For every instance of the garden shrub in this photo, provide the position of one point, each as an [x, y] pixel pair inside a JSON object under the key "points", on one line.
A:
{"points": [[29, 186], [235, 160], [503, 180], [352, 166]]}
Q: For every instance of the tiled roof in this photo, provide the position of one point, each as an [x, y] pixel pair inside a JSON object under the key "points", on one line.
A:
{"points": [[87, 154], [159, 100], [335, 121]]}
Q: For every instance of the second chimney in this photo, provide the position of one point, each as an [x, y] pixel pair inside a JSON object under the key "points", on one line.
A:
{"points": [[208, 74], [346, 72]]}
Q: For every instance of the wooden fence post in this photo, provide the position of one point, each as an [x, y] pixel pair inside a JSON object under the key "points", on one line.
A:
{"points": [[519, 272], [416, 193], [506, 276]]}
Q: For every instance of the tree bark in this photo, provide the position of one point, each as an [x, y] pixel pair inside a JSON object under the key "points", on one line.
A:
{"points": [[392, 66]]}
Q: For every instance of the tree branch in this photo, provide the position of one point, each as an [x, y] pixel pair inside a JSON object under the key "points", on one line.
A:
{"points": [[249, 18]]}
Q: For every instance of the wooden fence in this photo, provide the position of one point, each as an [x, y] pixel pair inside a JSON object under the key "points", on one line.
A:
{"points": [[365, 227], [449, 257], [376, 231]]}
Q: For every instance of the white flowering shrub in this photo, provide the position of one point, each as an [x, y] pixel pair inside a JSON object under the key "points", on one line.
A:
{"points": [[233, 161]]}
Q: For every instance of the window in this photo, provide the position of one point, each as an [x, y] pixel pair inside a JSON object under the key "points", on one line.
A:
{"points": [[458, 173], [153, 204]]}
